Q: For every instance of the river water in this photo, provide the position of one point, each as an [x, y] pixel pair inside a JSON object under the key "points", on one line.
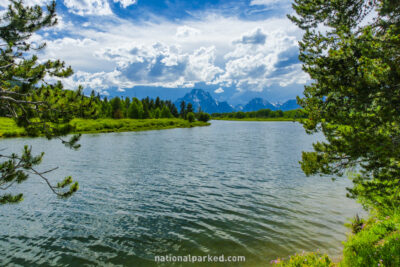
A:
{"points": [[232, 189]]}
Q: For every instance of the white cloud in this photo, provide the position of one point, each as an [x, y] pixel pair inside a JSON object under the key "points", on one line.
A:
{"points": [[88, 7], [185, 32], [264, 2], [219, 91], [121, 54], [6, 3], [255, 68], [257, 37], [126, 3]]}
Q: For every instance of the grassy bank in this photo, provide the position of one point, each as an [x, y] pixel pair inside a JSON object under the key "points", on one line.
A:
{"points": [[256, 119], [8, 128], [374, 242]]}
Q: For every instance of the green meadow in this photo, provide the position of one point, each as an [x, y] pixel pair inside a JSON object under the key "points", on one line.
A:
{"points": [[8, 127]]}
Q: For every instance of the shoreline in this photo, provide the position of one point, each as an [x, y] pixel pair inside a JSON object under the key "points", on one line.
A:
{"points": [[256, 119], [8, 128]]}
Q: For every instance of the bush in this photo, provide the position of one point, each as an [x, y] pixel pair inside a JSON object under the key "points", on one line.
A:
{"points": [[190, 117], [203, 117], [356, 225], [310, 259], [240, 115], [377, 244]]}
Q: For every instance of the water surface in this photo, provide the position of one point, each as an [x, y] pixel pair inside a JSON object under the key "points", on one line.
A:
{"points": [[233, 188]]}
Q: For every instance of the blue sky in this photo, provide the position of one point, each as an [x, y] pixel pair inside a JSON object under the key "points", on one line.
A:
{"points": [[236, 50]]}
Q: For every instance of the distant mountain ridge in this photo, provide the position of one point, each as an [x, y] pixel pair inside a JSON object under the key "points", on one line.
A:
{"points": [[203, 99], [257, 104]]}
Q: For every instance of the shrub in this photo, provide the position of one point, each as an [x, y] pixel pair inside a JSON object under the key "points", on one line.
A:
{"points": [[190, 117], [240, 115], [311, 259], [356, 225], [203, 117], [377, 244]]}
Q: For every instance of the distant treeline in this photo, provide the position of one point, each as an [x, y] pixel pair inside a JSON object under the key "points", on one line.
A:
{"points": [[95, 107], [263, 113], [119, 108]]}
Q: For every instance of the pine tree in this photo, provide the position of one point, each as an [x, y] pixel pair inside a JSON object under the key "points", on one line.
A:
{"points": [[182, 113], [41, 108], [354, 98], [189, 108], [166, 113], [135, 109]]}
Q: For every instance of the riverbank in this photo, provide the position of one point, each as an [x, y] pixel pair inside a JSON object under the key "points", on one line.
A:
{"points": [[256, 119], [8, 128], [374, 241]]}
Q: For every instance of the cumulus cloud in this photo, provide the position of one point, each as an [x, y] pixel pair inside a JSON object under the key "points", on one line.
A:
{"points": [[88, 7], [81, 7], [219, 91], [126, 3], [186, 31], [163, 65], [257, 37], [257, 68], [264, 2], [121, 54], [5, 3]]}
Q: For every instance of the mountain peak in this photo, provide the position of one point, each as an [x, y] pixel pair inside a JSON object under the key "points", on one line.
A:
{"points": [[257, 104], [200, 98]]}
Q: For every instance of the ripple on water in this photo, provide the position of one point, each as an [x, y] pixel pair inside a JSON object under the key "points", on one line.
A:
{"points": [[234, 188]]}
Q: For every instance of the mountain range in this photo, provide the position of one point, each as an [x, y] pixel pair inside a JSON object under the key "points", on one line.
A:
{"points": [[202, 99]]}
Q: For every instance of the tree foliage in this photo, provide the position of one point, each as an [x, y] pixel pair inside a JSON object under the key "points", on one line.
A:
{"points": [[354, 98], [190, 117], [204, 117], [41, 108], [264, 113]]}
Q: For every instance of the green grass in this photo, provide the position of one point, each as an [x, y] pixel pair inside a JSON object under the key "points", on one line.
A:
{"points": [[377, 243], [310, 259], [8, 128], [256, 119]]}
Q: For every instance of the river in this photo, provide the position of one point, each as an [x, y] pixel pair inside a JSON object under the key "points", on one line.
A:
{"points": [[233, 189]]}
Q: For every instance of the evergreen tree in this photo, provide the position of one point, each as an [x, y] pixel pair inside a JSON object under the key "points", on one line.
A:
{"points": [[116, 105], [158, 103], [190, 117], [174, 111], [189, 108], [166, 113], [39, 107], [106, 108], [355, 94], [136, 109], [127, 103], [146, 111], [172, 108], [157, 113], [204, 117], [182, 113]]}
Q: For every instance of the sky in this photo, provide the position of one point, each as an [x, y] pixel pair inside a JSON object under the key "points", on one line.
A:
{"points": [[235, 49]]}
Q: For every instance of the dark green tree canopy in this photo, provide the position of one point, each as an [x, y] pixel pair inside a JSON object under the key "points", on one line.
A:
{"points": [[354, 99], [41, 108]]}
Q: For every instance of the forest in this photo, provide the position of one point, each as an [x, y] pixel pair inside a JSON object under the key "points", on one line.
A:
{"points": [[262, 114], [96, 107]]}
